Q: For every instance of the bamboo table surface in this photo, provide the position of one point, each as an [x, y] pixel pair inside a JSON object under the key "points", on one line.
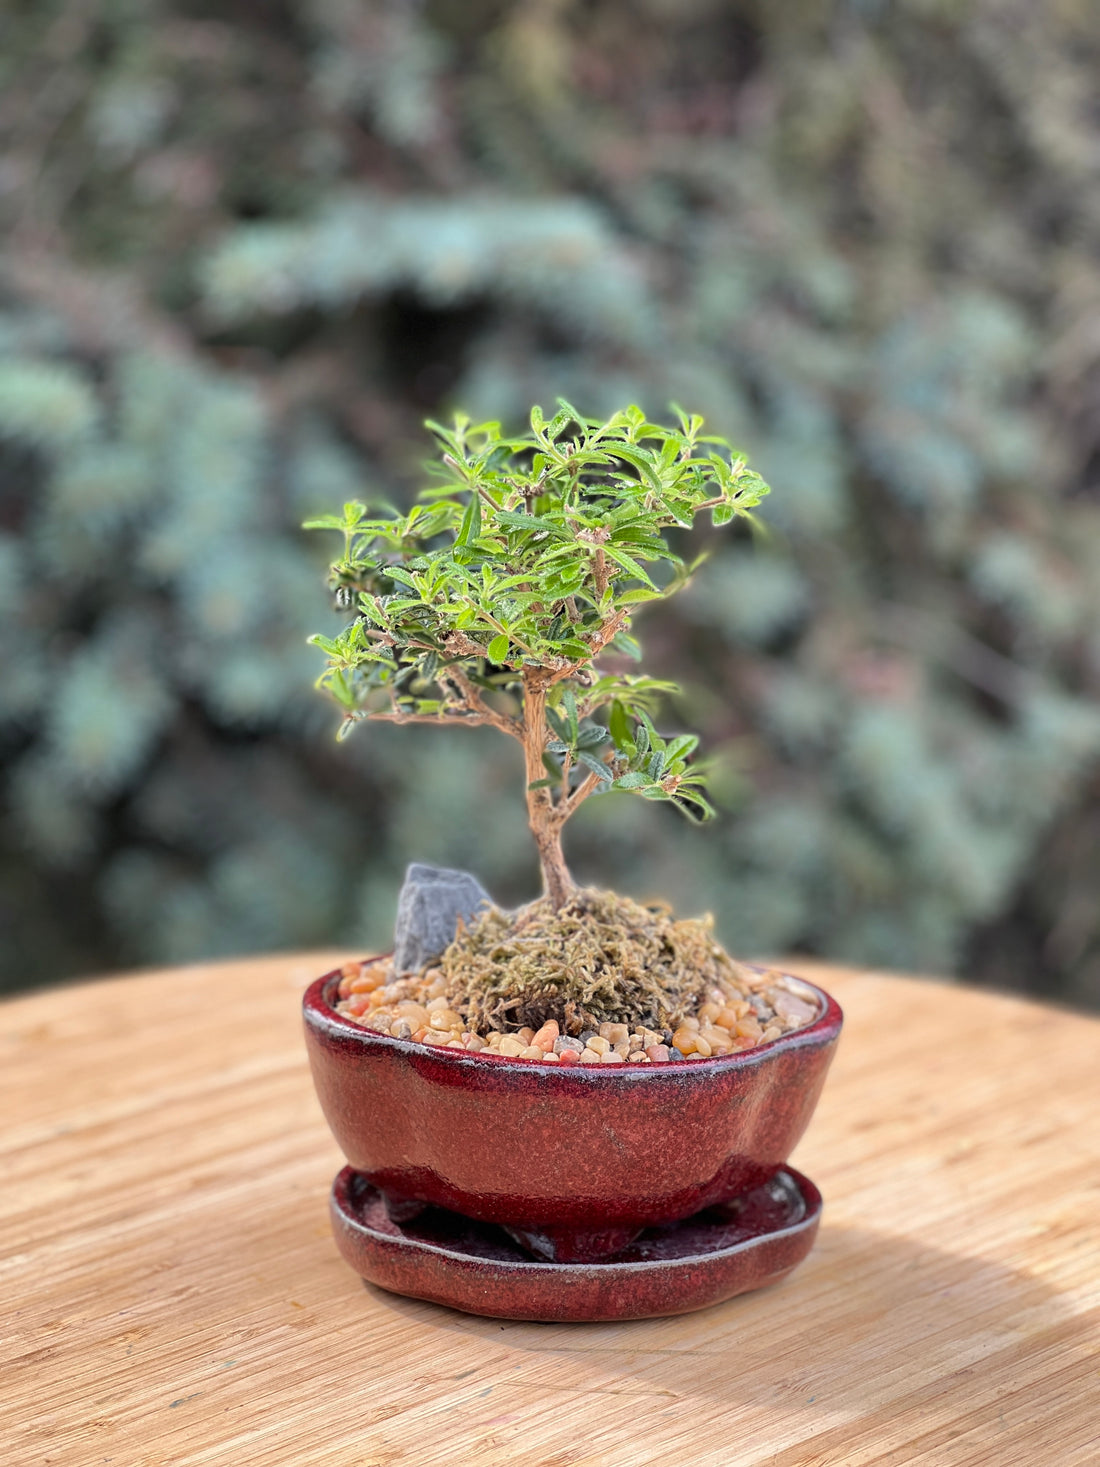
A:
{"points": [[171, 1293]]}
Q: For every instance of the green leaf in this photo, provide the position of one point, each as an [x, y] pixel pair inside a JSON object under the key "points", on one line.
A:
{"points": [[683, 746], [619, 726], [324, 522], [470, 528], [557, 723], [498, 648], [631, 781], [628, 563], [628, 645], [569, 698], [326, 644], [518, 521], [595, 765], [592, 736], [694, 806]]}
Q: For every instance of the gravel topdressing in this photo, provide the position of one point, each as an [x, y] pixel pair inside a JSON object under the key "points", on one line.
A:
{"points": [[743, 1009]]}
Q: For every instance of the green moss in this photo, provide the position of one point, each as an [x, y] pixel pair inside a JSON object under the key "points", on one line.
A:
{"points": [[601, 958]]}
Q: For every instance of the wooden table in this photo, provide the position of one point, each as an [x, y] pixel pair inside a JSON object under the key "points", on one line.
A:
{"points": [[171, 1293]]}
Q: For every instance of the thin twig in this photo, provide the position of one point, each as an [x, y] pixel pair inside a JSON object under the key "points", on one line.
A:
{"points": [[579, 795], [457, 717], [473, 700]]}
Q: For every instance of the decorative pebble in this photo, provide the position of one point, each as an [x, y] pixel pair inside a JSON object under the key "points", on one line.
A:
{"points": [[568, 1041], [417, 1008]]}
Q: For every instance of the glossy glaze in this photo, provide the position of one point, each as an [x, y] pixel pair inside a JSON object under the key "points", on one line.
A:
{"points": [[574, 1160], [448, 1259]]}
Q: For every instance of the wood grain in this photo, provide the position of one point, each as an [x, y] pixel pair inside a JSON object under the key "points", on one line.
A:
{"points": [[171, 1294]]}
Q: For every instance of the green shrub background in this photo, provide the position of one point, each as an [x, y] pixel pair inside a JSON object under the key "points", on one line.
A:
{"points": [[250, 247]]}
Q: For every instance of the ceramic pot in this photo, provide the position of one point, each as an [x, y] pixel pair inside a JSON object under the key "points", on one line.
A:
{"points": [[573, 1161]]}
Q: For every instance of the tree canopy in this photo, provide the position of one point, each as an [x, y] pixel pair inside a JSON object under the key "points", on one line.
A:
{"points": [[523, 562]]}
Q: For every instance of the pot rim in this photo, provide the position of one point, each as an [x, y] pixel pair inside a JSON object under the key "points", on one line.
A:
{"points": [[319, 1012]]}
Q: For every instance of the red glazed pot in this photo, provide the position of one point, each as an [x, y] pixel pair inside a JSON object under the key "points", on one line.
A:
{"points": [[573, 1161]]}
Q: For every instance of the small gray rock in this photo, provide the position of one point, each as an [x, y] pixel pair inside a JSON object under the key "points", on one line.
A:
{"points": [[568, 1041], [428, 909]]}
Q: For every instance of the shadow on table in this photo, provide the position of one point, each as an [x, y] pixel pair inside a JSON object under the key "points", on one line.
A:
{"points": [[864, 1320]]}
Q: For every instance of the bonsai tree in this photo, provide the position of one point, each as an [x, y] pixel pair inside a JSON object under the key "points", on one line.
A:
{"points": [[492, 602]]}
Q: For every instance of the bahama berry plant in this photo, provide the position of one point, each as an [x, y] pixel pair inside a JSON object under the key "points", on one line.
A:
{"points": [[493, 600]]}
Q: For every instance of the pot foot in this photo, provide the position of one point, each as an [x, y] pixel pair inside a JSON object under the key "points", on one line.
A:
{"points": [[573, 1245]]}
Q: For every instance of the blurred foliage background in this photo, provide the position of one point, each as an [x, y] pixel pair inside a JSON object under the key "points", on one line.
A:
{"points": [[249, 247]]}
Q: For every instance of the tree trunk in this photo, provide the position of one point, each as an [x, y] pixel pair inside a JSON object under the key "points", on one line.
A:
{"points": [[541, 814]]}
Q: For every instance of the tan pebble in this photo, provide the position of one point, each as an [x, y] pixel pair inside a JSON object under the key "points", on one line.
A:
{"points": [[649, 1039], [623, 1047], [718, 1039], [474, 1042], [421, 1034], [658, 1053], [612, 1057], [547, 1035], [684, 1040], [589, 1057], [748, 1028], [690, 1023], [728, 1017], [401, 1029], [599, 1044], [702, 1047], [616, 1033], [525, 1034], [456, 1044], [434, 1005], [365, 983], [789, 1007], [495, 1036], [511, 1046], [773, 1031], [350, 970], [638, 1057], [377, 999], [709, 1013], [412, 1010], [445, 1019], [531, 1051], [548, 1054]]}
